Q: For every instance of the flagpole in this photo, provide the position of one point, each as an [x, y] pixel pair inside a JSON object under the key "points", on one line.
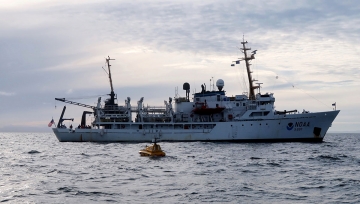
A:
{"points": [[54, 121]]}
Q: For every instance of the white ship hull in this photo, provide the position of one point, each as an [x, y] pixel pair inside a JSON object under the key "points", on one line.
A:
{"points": [[309, 127]]}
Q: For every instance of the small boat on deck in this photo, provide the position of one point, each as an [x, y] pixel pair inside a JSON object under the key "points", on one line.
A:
{"points": [[153, 150]]}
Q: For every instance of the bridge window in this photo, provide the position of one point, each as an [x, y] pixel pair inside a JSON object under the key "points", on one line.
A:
{"points": [[255, 114]]}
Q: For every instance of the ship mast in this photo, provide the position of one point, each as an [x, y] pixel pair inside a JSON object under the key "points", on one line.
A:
{"points": [[112, 94], [247, 62]]}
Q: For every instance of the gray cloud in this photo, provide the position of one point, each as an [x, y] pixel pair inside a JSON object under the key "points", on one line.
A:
{"points": [[3, 93], [51, 48]]}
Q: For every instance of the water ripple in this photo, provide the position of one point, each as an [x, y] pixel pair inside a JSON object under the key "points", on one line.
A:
{"points": [[42, 170]]}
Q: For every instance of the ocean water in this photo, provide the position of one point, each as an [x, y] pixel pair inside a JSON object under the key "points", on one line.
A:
{"points": [[36, 168]]}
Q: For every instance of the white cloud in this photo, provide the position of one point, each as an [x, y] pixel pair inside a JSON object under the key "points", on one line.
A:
{"points": [[3, 93]]}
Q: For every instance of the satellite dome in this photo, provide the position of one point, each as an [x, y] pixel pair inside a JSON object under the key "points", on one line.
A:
{"points": [[220, 84], [186, 86]]}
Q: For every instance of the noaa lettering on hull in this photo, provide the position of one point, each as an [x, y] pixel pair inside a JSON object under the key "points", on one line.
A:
{"points": [[209, 116]]}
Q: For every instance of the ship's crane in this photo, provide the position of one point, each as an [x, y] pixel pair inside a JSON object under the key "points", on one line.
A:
{"points": [[74, 103], [111, 101], [62, 119], [83, 118]]}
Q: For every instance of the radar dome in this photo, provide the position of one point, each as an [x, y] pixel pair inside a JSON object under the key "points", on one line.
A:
{"points": [[220, 84], [186, 86]]}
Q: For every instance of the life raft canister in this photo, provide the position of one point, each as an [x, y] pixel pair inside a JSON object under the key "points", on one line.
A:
{"points": [[230, 116]]}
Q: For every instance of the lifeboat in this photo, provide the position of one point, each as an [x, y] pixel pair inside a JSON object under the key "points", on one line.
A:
{"points": [[153, 150]]}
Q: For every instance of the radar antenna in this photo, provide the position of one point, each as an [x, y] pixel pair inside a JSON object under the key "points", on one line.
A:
{"points": [[247, 63]]}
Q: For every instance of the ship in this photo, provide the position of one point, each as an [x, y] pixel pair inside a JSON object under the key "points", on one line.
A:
{"points": [[210, 115]]}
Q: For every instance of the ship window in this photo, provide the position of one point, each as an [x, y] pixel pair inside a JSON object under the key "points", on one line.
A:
{"points": [[197, 99], [259, 113], [218, 97], [237, 104], [243, 104], [254, 114]]}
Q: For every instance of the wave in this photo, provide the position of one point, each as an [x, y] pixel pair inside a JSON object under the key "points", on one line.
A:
{"points": [[33, 152]]}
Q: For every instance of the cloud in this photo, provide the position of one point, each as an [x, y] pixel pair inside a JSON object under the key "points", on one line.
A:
{"points": [[57, 48], [2, 93], [69, 91]]}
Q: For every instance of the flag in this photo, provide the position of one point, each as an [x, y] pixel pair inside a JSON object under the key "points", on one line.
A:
{"points": [[237, 62], [51, 123], [334, 104]]}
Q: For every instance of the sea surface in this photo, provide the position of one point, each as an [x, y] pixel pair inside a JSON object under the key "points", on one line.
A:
{"points": [[36, 168]]}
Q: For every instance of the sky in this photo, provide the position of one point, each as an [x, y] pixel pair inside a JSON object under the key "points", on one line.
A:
{"points": [[307, 54]]}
